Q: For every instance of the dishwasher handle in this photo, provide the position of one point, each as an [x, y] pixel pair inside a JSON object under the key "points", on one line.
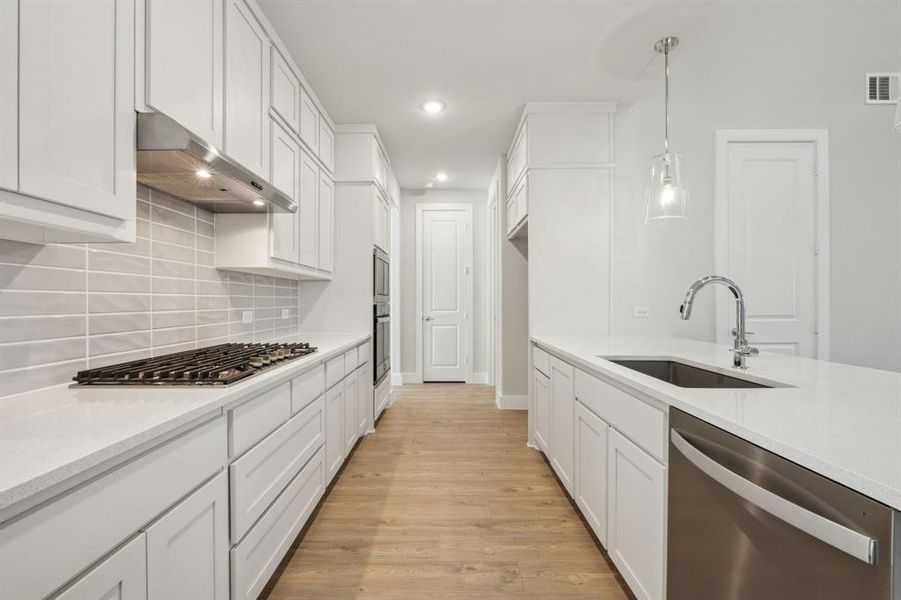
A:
{"points": [[858, 545]]}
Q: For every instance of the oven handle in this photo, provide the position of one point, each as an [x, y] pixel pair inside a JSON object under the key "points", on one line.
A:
{"points": [[382, 319], [847, 540]]}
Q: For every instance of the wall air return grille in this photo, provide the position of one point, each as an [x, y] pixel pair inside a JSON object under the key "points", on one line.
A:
{"points": [[882, 88]]}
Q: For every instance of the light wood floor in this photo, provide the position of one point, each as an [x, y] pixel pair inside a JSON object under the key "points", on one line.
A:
{"points": [[446, 501]]}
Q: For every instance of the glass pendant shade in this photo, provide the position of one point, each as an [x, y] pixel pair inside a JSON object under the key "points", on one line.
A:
{"points": [[667, 191]]}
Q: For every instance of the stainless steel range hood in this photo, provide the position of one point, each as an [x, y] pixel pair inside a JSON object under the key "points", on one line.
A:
{"points": [[173, 160]]}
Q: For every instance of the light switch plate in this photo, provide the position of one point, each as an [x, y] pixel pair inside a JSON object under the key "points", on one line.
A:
{"points": [[285, 313], [641, 312], [247, 316]]}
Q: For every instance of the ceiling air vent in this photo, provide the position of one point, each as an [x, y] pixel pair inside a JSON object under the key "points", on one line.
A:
{"points": [[882, 88]]}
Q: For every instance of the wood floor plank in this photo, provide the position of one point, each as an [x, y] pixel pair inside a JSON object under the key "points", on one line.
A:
{"points": [[445, 501]]}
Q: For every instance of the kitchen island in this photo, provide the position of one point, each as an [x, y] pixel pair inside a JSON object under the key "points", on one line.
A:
{"points": [[605, 430]]}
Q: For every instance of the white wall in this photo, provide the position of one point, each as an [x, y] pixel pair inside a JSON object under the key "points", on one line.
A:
{"points": [[785, 65], [409, 200]]}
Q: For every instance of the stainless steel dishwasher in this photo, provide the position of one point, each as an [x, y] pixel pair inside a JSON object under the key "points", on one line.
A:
{"points": [[745, 524]]}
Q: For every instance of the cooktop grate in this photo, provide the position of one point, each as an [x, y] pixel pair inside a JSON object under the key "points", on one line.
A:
{"points": [[216, 365]]}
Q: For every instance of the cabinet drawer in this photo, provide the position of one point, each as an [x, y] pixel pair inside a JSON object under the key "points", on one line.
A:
{"points": [[258, 477], [516, 163], [334, 371], [642, 423], [350, 360], [70, 533], [255, 559], [541, 360], [251, 421], [307, 387], [363, 354]]}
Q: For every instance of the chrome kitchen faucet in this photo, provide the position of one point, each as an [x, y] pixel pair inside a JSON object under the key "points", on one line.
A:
{"points": [[741, 350]]}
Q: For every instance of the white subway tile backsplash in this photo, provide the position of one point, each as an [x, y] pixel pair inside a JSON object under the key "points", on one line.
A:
{"points": [[16, 303], [66, 307], [25, 277], [21, 329]]}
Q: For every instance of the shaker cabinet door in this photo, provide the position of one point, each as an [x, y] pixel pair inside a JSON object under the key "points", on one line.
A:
{"points": [[326, 223], [187, 548], [188, 91], [76, 104], [308, 212], [636, 505], [285, 162], [122, 576], [246, 89]]}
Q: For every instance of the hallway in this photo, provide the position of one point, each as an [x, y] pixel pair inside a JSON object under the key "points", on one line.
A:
{"points": [[446, 501]]}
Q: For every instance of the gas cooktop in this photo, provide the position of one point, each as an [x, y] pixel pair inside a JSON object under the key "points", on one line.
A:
{"points": [[216, 365]]}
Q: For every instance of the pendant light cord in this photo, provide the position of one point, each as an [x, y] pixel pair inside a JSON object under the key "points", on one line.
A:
{"points": [[666, 99]]}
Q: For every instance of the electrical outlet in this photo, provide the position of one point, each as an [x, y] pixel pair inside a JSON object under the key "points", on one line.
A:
{"points": [[641, 312], [247, 316], [285, 313]]}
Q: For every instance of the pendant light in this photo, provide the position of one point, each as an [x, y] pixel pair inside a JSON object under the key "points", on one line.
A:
{"points": [[667, 192]]}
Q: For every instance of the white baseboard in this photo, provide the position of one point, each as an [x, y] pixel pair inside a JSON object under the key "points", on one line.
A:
{"points": [[397, 378], [480, 378], [410, 377], [512, 402]]}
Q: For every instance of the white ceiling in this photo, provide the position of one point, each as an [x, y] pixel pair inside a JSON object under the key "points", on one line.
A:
{"points": [[375, 61]]}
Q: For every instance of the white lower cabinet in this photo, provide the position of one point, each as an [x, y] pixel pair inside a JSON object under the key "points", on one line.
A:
{"points": [[541, 385], [590, 473], [636, 516], [187, 548], [334, 424], [351, 424], [122, 576], [364, 400], [255, 559], [562, 404]]}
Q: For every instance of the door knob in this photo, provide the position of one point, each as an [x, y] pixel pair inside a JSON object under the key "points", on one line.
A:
{"points": [[429, 318]]}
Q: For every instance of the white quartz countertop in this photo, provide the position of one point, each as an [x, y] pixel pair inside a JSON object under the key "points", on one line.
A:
{"points": [[52, 435], [840, 421]]}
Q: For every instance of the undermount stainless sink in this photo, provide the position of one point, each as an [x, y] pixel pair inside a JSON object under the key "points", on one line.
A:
{"points": [[684, 375]]}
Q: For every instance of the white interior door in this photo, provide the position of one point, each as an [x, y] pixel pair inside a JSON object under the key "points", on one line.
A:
{"points": [[446, 269], [771, 249]]}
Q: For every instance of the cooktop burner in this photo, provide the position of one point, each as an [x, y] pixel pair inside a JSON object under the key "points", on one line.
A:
{"points": [[216, 365]]}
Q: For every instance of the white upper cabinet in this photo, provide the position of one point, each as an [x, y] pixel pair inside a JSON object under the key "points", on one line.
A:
{"points": [[285, 91], [285, 163], [381, 218], [246, 89], [308, 212], [183, 64], [326, 145], [309, 121], [70, 170], [326, 223]]}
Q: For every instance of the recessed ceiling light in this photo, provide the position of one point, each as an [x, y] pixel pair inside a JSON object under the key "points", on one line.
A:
{"points": [[433, 107], [203, 173], [259, 203], [429, 184], [441, 176]]}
